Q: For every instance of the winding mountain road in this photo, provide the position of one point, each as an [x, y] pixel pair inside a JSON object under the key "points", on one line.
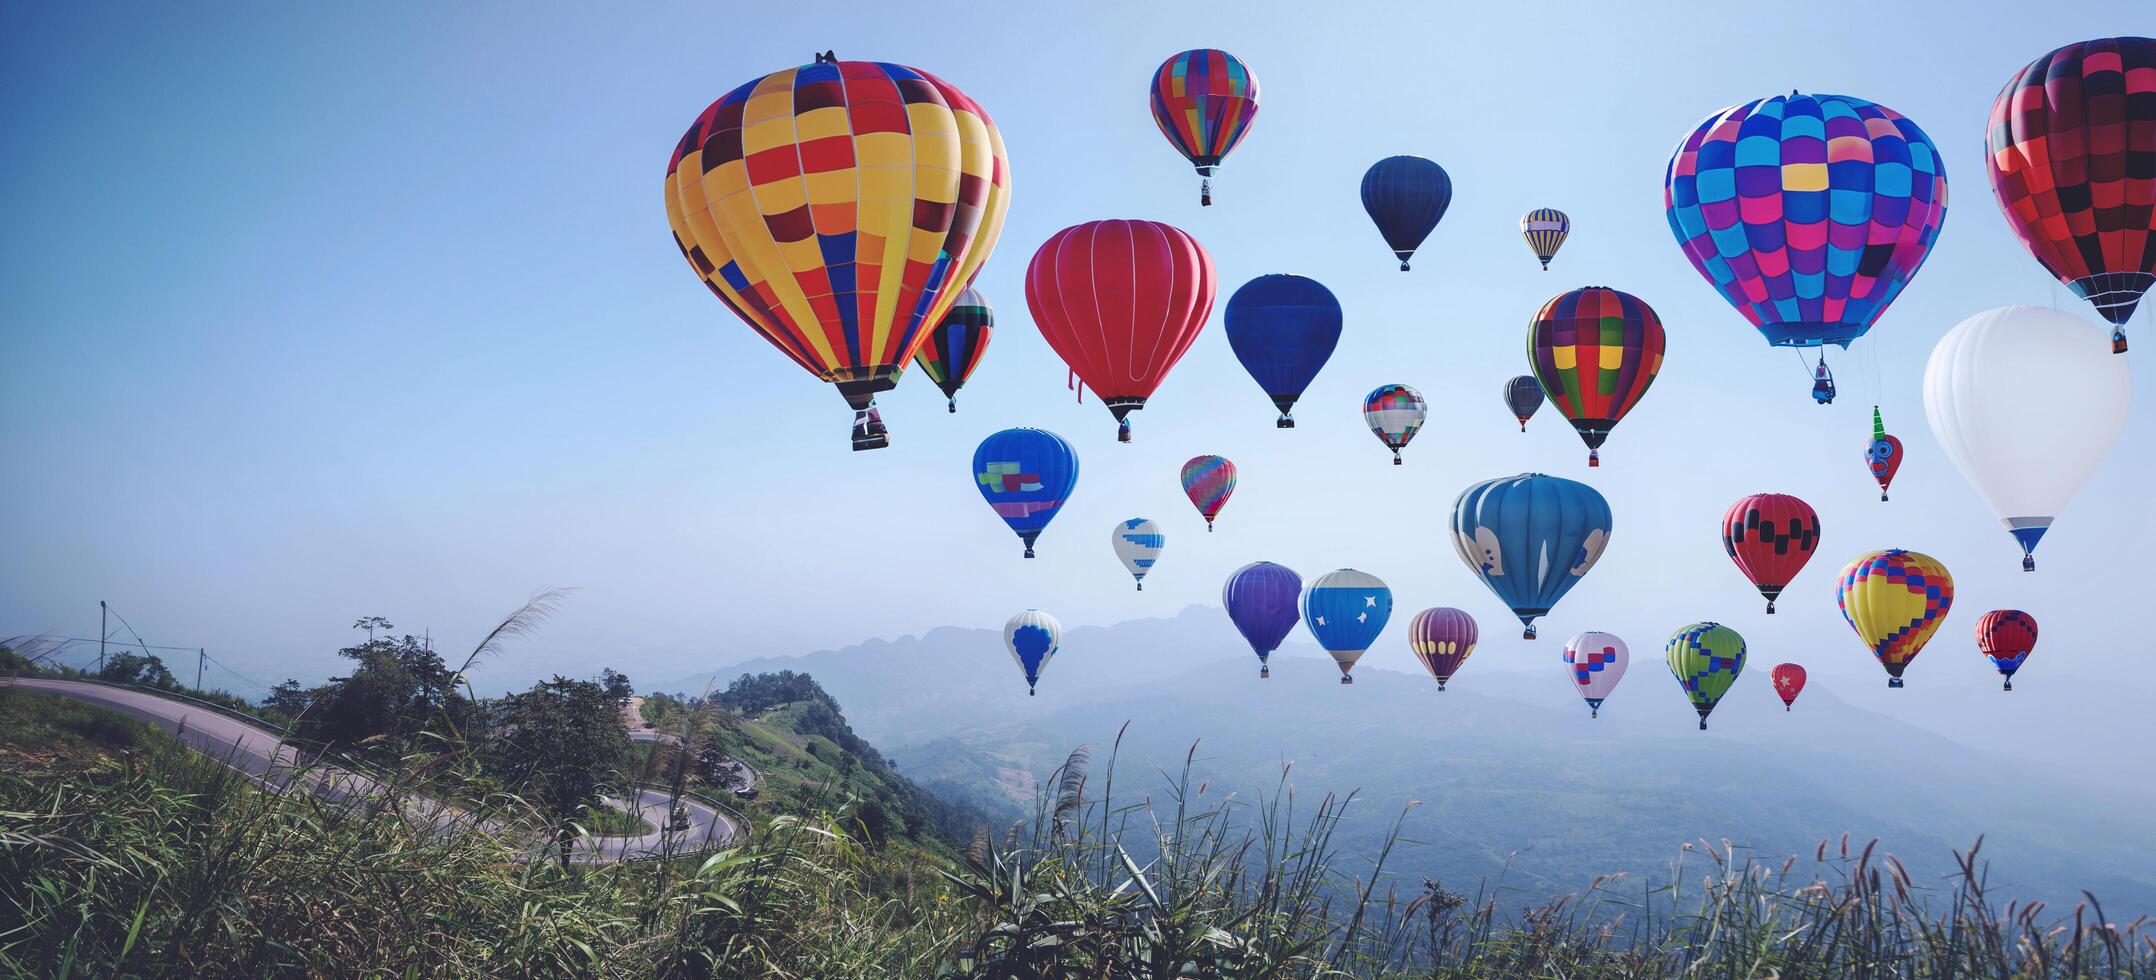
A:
{"points": [[261, 754]]}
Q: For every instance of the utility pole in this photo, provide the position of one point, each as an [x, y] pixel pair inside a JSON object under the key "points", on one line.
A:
{"points": [[200, 656], [101, 634]]}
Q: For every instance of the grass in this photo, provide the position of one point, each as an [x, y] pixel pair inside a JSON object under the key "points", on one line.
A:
{"points": [[124, 854]]}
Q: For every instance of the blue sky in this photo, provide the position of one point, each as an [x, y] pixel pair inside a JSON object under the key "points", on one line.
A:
{"points": [[320, 312]]}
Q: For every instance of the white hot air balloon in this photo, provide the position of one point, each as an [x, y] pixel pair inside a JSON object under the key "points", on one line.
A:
{"points": [[1033, 638], [1595, 661], [1137, 542], [2027, 402]]}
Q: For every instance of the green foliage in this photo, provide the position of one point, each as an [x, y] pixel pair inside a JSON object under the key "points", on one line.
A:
{"points": [[146, 670], [559, 744]]}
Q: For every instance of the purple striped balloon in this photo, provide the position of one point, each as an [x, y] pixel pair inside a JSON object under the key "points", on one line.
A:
{"points": [[1442, 638], [1264, 600]]}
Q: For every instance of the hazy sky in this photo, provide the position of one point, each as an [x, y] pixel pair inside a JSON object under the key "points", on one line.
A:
{"points": [[313, 312]]}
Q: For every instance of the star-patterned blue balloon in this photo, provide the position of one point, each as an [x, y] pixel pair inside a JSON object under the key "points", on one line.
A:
{"points": [[1346, 610]]}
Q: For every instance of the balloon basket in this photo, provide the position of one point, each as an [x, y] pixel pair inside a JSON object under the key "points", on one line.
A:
{"points": [[1594, 458], [1285, 422], [1141, 586], [1264, 672], [2028, 563], [953, 408], [1031, 692], [2118, 341], [1403, 265], [1770, 607], [1894, 682], [1122, 431], [1029, 551], [1396, 461], [2009, 684], [1882, 495], [1528, 633], [1345, 679]]}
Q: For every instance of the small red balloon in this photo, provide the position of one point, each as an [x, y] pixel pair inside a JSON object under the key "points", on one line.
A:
{"points": [[1788, 682]]}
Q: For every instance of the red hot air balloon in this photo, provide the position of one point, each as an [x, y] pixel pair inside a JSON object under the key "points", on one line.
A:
{"points": [[2070, 140], [1120, 301], [1882, 454], [1788, 682], [1770, 536], [2006, 636]]}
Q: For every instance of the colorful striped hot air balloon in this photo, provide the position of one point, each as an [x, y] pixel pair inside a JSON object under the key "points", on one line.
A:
{"points": [[2071, 139], [1596, 661], [1524, 396], [1788, 683], [1808, 213], [1208, 481], [954, 349], [1032, 637], [1263, 601], [1394, 413], [1441, 639], [838, 209], [1882, 454], [1346, 610], [2006, 636], [1545, 230], [1595, 350], [1120, 301], [1025, 475], [1706, 659], [1895, 600], [1770, 536], [1530, 538], [1204, 101], [1283, 328], [1137, 543], [1406, 198]]}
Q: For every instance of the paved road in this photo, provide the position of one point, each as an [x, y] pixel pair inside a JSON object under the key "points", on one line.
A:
{"points": [[632, 715], [259, 753]]}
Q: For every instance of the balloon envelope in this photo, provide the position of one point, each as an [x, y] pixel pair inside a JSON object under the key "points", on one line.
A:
{"points": [[1706, 659], [1442, 638], [1394, 414], [1596, 661], [1025, 475], [1530, 538], [955, 347], [1346, 610], [2027, 401], [1788, 683], [1283, 328], [2006, 636], [1883, 454], [1120, 301], [1895, 600], [1262, 599], [1406, 197], [1208, 481], [1524, 396], [1545, 230], [1032, 637], [1595, 351], [1770, 536], [1204, 101], [1137, 544]]}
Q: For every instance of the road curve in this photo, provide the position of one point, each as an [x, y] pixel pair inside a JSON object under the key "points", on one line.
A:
{"points": [[259, 753]]}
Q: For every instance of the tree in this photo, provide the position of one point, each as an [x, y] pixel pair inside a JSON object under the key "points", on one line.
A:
{"points": [[288, 699], [135, 668], [397, 690], [372, 623], [617, 687], [558, 743]]}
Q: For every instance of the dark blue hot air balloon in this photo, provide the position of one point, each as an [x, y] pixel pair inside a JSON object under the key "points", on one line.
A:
{"points": [[1283, 329], [1025, 475], [1530, 538], [1405, 196], [1263, 600]]}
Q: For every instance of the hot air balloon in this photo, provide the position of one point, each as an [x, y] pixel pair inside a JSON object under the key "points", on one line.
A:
{"points": [[1346, 610], [1895, 600], [1882, 454], [2070, 141], [1441, 638], [1209, 481], [1706, 659], [1394, 414], [1595, 661], [1770, 536], [2006, 636], [1809, 213], [1530, 538], [1025, 475], [1137, 543], [1788, 683], [838, 209], [1204, 101], [1406, 197], [954, 349], [1545, 230], [1524, 396], [1262, 600], [2027, 402], [1120, 301], [1033, 638], [1595, 351], [1283, 328]]}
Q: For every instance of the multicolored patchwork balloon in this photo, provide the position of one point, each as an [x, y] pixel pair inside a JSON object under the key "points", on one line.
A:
{"points": [[1204, 101], [1895, 600], [1808, 213], [1283, 328], [1025, 475], [1208, 481], [1770, 536], [1788, 683], [1595, 351], [1882, 454], [1262, 600], [2071, 139], [1442, 638], [1596, 661], [1137, 544], [955, 347], [1545, 230], [837, 209], [1120, 301], [1530, 538], [1706, 659], [1395, 413], [2006, 636], [1524, 396], [1406, 198], [1032, 637], [1346, 610]]}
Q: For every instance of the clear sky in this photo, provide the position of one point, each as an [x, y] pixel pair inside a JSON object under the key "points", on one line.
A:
{"points": [[312, 312]]}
